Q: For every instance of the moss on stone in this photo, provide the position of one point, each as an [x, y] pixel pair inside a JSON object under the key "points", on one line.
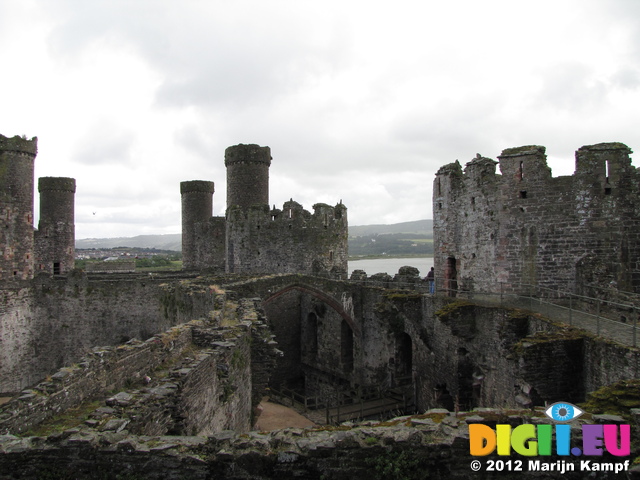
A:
{"points": [[616, 399], [452, 308], [403, 295], [70, 418]]}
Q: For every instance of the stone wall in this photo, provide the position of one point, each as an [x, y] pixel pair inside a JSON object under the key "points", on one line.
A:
{"points": [[449, 352], [58, 320], [17, 339], [254, 238], [111, 266], [290, 240], [431, 445], [284, 320], [103, 369], [574, 233], [469, 356], [212, 372], [194, 379]]}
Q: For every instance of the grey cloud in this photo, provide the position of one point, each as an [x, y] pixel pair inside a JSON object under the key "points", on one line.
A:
{"points": [[571, 86], [213, 54], [628, 78], [440, 134], [193, 139], [105, 143]]}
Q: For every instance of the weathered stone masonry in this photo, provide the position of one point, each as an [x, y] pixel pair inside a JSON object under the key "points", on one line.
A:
{"points": [[142, 428], [162, 404], [575, 233], [56, 320], [254, 238], [26, 252], [55, 237], [194, 379], [17, 156]]}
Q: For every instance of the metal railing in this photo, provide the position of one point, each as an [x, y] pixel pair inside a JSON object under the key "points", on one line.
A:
{"points": [[343, 405], [603, 316], [613, 314]]}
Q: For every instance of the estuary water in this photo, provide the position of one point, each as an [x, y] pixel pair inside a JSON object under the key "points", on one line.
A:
{"points": [[390, 265]]}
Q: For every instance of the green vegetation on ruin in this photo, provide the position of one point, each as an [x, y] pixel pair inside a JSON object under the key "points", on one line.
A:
{"points": [[615, 399], [452, 308], [71, 418]]}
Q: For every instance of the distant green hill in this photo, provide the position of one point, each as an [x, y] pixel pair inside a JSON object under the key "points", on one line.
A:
{"points": [[401, 238], [424, 227], [161, 242]]}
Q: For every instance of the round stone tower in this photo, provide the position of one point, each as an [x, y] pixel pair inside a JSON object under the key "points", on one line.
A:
{"points": [[55, 238], [197, 209], [247, 175], [17, 156]]}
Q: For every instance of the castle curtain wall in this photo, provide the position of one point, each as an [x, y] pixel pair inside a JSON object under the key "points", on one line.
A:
{"points": [[524, 227]]}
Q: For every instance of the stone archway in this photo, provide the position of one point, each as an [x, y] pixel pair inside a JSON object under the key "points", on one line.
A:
{"points": [[316, 333], [320, 295]]}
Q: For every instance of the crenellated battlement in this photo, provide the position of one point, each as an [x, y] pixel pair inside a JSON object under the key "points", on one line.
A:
{"points": [[59, 184], [197, 186], [257, 238], [292, 212], [19, 144], [251, 153], [523, 225], [518, 164]]}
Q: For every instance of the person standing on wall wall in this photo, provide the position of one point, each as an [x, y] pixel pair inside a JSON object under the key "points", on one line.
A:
{"points": [[431, 279]]}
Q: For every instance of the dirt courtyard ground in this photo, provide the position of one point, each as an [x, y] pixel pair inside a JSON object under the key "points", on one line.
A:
{"points": [[274, 416]]}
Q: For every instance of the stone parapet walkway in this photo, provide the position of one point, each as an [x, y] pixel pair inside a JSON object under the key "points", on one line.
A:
{"points": [[619, 325]]}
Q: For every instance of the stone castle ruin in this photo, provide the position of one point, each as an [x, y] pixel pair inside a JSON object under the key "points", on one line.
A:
{"points": [[127, 375], [524, 228], [49, 249], [254, 238]]}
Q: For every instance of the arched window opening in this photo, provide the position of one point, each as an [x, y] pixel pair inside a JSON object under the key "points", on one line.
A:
{"points": [[451, 277]]}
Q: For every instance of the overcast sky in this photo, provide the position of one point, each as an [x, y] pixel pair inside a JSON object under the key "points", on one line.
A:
{"points": [[360, 101]]}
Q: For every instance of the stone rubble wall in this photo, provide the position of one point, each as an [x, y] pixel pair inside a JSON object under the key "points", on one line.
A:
{"points": [[196, 378], [58, 319], [433, 444], [102, 370]]}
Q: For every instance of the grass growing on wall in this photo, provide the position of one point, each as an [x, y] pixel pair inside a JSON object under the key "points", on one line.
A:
{"points": [[70, 418]]}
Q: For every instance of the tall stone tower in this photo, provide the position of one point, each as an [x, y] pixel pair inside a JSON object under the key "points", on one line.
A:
{"points": [[55, 238], [202, 234], [247, 175], [17, 156]]}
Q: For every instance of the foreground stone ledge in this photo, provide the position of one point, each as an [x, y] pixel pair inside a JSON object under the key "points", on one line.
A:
{"points": [[435, 443]]}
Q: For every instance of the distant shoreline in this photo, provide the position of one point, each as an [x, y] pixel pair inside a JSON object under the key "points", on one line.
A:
{"points": [[376, 257]]}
